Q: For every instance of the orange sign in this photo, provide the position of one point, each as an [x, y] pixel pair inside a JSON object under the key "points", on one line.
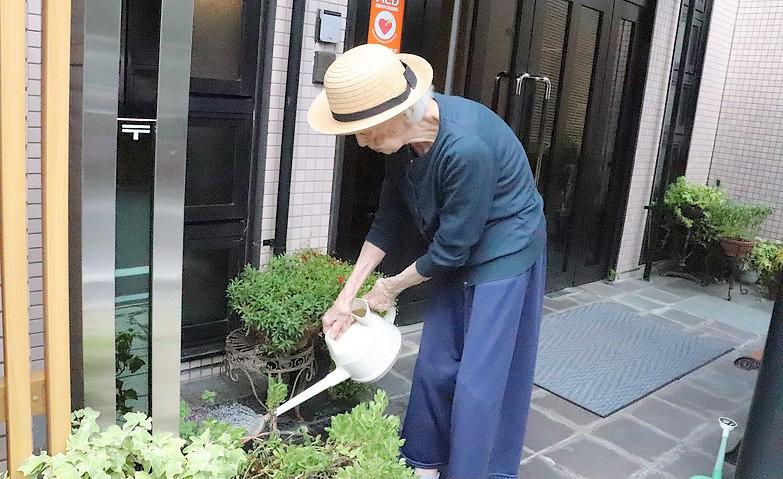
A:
{"points": [[386, 23]]}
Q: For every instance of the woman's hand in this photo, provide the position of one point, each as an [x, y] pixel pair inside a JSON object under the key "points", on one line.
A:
{"points": [[337, 318], [383, 295]]}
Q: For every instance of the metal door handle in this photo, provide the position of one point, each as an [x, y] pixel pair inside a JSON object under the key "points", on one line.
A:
{"points": [[542, 79], [520, 80], [542, 142], [496, 90]]}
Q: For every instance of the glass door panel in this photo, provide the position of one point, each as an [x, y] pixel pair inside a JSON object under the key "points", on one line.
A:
{"points": [[133, 240]]}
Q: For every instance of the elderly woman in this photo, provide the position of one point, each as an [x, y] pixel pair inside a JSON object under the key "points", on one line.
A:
{"points": [[464, 176]]}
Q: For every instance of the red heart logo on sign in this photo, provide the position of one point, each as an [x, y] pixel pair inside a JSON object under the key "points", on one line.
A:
{"points": [[385, 25]]}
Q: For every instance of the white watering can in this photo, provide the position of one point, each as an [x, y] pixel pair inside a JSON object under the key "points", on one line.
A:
{"points": [[365, 352]]}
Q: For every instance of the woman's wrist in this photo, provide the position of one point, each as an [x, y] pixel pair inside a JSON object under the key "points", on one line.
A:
{"points": [[344, 299], [407, 278]]}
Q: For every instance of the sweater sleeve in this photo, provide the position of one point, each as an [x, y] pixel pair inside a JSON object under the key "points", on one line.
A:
{"points": [[468, 180], [387, 222]]}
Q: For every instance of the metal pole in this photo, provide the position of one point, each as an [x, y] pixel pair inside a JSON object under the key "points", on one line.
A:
{"points": [[452, 47], [761, 452], [176, 33]]}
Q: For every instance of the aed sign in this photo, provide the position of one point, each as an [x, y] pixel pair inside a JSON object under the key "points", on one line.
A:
{"points": [[386, 23]]}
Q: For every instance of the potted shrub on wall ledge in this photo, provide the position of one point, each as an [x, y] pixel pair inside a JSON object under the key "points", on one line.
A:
{"points": [[281, 305]]}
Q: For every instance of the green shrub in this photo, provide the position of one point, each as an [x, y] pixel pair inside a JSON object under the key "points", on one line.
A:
{"points": [[682, 194], [133, 451], [767, 258], [350, 390], [288, 297], [734, 220], [362, 444], [276, 393]]}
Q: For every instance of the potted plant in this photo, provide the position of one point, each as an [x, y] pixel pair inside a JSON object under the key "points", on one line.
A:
{"points": [[737, 225], [691, 205], [686, 229], [283, 302]]}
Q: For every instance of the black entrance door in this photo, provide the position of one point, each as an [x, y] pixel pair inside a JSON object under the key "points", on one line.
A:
{"points": [[593, 52], [218, 162]]}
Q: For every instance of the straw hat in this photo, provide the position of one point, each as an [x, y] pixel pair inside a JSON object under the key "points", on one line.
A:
{"points": [[366, 86]]}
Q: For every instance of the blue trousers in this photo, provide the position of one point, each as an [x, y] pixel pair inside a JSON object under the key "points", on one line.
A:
{"points": [[474, 377]]}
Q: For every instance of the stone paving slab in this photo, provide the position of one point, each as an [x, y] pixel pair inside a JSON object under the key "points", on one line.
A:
{"points": [[560, 304], [635, 437], [696, 400], [602, 289], [686, 462], [748, 319], [544, 431], [565, 411], [681, 317], [639, 302], [660, 296], [666, 417], [631, 285], [540, 468], [587, 458], [652, 474]]}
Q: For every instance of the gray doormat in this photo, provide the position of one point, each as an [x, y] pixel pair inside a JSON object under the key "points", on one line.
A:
{"points": [[604, 356]]}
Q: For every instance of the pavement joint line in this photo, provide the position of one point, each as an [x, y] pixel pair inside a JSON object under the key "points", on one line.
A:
{"points": [[662, 432], [619, 448], [577, 435]]}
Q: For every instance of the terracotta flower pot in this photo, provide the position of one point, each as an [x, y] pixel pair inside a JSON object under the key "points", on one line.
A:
{"points": [[736, 248]]}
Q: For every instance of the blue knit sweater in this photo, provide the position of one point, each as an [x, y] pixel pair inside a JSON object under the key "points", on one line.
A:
{"points": [[472, 195]]}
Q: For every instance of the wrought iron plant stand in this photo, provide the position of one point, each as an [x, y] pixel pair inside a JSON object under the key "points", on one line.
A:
{"points": [[244, 357]]}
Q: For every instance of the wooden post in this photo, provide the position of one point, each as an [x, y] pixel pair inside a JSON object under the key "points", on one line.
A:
{"points": [[13, 232], [54, 172]]}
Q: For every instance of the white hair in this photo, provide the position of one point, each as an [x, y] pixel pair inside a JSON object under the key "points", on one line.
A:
{"points": [[416, 112]]}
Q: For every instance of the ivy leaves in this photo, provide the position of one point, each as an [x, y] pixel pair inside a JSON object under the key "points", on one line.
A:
{"points": [[133, 451]]}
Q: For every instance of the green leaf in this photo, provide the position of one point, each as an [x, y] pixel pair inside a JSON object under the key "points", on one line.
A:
{"points": [[276, 393]]}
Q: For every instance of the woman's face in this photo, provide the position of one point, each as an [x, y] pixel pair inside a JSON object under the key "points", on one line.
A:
{"points": [[386, 138]]}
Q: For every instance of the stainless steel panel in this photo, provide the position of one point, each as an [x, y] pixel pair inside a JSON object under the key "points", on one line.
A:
{"points": [[99, 160], [176, 27]]}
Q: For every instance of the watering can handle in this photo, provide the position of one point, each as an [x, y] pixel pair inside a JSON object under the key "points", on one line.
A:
{"points": [[389, 317]]}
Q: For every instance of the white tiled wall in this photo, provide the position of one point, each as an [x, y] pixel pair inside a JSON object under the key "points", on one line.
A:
{"points": [[748, 153], [653, 108], [713, 79], [33, 198], [311, 186]]}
